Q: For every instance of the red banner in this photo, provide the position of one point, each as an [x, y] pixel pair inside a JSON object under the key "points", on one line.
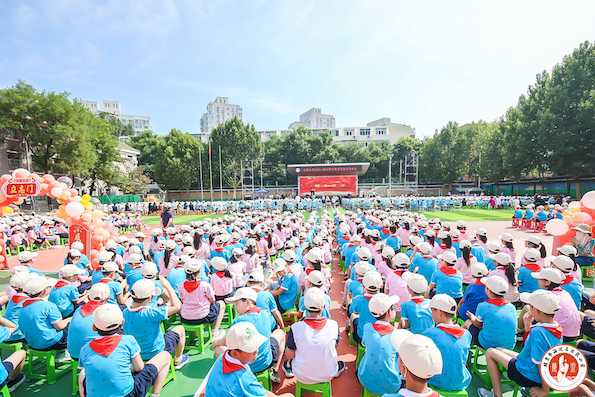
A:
{"points": [[21, 187], [328, 185], [79, 233]]}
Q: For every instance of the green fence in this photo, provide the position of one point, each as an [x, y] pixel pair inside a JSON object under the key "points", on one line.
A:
{"points": [[118, 199]]}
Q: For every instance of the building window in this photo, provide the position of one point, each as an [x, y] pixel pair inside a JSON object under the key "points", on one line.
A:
{"points": [[348, 132], [364, 131], [335, 132], [14, 160], [381, 131]]}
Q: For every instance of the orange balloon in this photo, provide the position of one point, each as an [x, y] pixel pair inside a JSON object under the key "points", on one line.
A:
{"points": [[68, 221], [74, 192], [5, 177], [86, 217], [574, 210]]}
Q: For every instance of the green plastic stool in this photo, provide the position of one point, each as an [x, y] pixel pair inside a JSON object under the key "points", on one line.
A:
{"points": [[360, 354], [525, 392], [8, 251], [584, 272], [318, 388], [38, 359], [230, 311], [20, 248], [481, 370], [264, 377], [351, 340], [63, 241], [74, 366], [4, 391], [455, 393], [170, 376], [366, 393], [33, 247], [288, 319], [202, 341]]}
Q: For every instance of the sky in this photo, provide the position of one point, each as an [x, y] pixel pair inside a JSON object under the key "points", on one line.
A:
{"points": [[421, 63]]}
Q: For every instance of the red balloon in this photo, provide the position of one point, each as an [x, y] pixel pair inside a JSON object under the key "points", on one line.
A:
{"points": [[94, 254], [75, 220], [73, 192], [48, 178], [96, 239], [45, 188], [95, 264], [5, 177]]}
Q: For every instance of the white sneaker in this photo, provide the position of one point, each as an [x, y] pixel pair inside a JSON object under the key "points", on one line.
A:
{"points": [[481, 392], [65, 357], [219, 334]]}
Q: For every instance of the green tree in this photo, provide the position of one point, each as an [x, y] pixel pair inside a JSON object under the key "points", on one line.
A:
{"points": [[176, 165], [146, 143], [238, 141]]}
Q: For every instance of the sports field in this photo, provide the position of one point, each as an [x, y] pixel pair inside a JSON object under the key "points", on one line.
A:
{"points": [[450, 216]]}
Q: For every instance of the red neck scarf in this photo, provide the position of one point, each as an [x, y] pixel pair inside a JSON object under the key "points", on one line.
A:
{"points": [[449, 271], [534, 267], [497, 301], [399, 272], [219, 249], [89, 307], [18, 298], [569, 278], [418, 299], [478, 282], [191, 285], [427, 256], [557, 332], [229, 367], [308, 271], [106, 345], [220, 274], [383, 329], [368, 297], [443, 246], [316, 323], [30, 301], [105, 280], [254, 309], [455, 331], [61, 284]]}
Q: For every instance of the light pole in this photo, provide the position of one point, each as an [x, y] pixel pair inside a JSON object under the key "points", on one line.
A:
{"points": [[390, 176], [261, 160]]}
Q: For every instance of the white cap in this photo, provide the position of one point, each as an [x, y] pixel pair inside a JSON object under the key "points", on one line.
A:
{"points": [[139, 235], [237, 251], [506, 237], [219, 263], [479, 269], [279, 264], [364, 253], [18, 280], [187, 239], [425, 248], [108, 317], [99, 292], [532, 255], [416, 282], [494, 247], [149, 269], [542, 300], [388, 252], [414, 240], [502, 258], [111, 245], [105, 256], [481, 232], [461, 224], [314, 299], [26, 256], [74, 252], [190, 251], [361, 268], [289, 256], [567, 250], [455, 233], [496, 284], [36, 284], [256, 277], [533, 240], [169, 245], [244, 336], [144, 288], [465, 244], [448, 257], [551, 274], [156, 232], [121, 239], [563, 263], [443, 234], [401, 260], [110, 267], [381, 303], [314, 255], [443, 302], [71, 270], [372, 280], [243, 293], [418, 353], [355, 238], [316, 278], [135, 258], [192, 266], [77, 245]]}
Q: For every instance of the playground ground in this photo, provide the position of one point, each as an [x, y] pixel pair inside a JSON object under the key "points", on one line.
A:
{"points": [[190, 378]]}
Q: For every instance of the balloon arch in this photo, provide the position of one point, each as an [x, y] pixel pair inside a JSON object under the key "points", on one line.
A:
{"points": [[578, 212], [85, 224]]}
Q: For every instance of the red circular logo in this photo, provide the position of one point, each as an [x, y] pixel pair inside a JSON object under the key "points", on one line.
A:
{"points": [[563, 367]]}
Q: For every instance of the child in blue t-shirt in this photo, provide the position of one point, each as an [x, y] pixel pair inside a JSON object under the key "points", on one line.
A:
{"points": [[106, 361], [10, 370], [475, 293], [287, 286], [414, 316], [523, 367], [359, 311], [494, 322], [447, 279], [526, 282], [424, 264], [109, 271], [143, 321], [64, 294]]}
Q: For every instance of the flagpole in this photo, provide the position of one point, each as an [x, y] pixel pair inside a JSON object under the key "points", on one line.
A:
{"points": [[220, 174], [211, 172], [202, 197]]}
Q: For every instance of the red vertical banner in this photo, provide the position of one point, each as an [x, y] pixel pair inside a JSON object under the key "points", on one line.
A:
{"points": [[80, 233]]}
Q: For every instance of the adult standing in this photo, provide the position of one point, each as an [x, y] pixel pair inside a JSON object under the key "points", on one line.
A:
{"points": [[167, 217]]}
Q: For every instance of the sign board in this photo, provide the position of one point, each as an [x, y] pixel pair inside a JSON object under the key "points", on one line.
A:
{"points": [[79, 233], [328, 185], [21, 187]]}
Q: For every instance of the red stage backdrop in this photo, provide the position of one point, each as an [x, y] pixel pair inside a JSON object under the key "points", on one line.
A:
{"points": [[328, 185]]}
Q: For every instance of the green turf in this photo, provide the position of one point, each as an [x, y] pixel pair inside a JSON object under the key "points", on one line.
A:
{"points": [[470, 215]]}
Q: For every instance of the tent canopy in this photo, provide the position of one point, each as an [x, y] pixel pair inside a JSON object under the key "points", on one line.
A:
{"points": [[261, 190]]}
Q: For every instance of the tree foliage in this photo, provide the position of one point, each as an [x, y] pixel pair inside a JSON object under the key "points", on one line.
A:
{"points": [[176, 163]]}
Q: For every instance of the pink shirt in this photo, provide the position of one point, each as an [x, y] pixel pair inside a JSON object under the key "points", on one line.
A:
{"points": [[510, 253], [539, 261], [196, 303], [222, 285], [31, 235], [17, 238], [237, 269], [501, 272], [568, 315], [61, 229], [461, 266], [173, 261], [404, 234], [440, 249], [203, 252], [251, 262], [397, 286], [154, 246]]}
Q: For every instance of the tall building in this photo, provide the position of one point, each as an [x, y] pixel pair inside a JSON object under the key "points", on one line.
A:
{"points": [[379, 130], [218, 112], [138, 123], [314, 119]]}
